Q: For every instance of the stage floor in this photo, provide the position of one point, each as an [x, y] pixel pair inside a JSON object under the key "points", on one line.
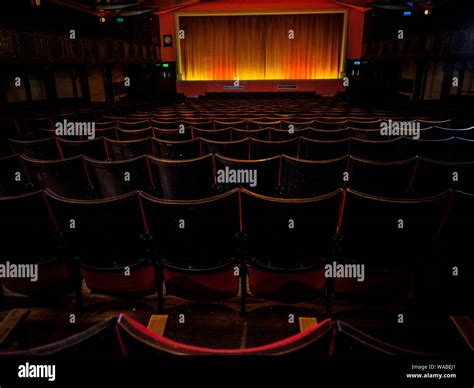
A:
{"points": [[324, 87]]}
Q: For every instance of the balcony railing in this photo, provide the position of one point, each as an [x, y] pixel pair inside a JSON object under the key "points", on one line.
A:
{"points": [[450, 44], [26, 47]]}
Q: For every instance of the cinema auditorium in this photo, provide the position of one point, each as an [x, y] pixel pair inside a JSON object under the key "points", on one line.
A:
{"points": [[288, 178]]}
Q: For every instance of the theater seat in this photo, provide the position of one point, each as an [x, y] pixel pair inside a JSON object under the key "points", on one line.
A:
{"points": [[262, 124], [183, 179], [285, 134], [463, 150], [364, 124], [67, 177], [14, 179], [99, 125], [138, 340], [107, 238], [223, 134], [266, 174], [306, 178], [289, 242], [126, 135], [327, 123], [111, 179], [195, 242], [351, 341], [94, 149], [100, 339], [33, 124], [239, 124], [454, 286], [30, 237], [328, 134], [385, 179], [261, 149], [238, 149], [133, 125], [323, 149], [260, 134], [203, 124], [432, 149], [185, 133], [367, 134], [123, 150], [432, 123], [295, 125], [109, 133], [165, 124], [384, 151], [392, 238], [44, 149], [186, 149], [433, 177]]}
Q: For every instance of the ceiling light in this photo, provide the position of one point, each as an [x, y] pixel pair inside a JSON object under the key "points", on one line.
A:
{"points": [[115, 4], [135, 12]]}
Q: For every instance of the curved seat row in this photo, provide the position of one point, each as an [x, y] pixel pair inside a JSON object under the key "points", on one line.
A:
{"points": [[126, 336], [451, 149], [137, 244], [219, 122], [279, 176]]}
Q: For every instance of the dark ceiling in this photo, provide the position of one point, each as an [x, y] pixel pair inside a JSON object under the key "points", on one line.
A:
{"points": [[59, 16], [129, 7]]}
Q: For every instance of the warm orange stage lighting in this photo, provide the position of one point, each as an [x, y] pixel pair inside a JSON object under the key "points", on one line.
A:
{"points": [[261, 47]]}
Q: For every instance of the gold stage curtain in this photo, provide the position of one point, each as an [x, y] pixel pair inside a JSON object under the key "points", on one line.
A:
{"points": [[258, 47]]}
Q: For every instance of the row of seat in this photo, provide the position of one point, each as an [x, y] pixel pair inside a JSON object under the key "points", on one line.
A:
{"points": [[273, 130], [248, 123], [224, 107], [126, 336], [135, 243], [450, 150], [279, 176], [267, 133], [243, 119]]}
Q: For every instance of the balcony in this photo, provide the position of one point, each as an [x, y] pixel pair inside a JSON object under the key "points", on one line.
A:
{"points": [[450, 44], [25, 47]]}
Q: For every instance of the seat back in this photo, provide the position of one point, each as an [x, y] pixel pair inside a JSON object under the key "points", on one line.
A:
{"points": [[261, 176], [111, 179], [123, 150], [290, 234], [44, 149], [390, 234], [385, 179], [183, 179], [304, 178], [94, 149], [67, 177]]}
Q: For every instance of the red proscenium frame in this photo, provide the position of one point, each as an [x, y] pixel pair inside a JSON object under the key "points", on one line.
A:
{"points": [[353, 49]]}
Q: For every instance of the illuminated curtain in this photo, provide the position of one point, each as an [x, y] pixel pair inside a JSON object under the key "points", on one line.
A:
{"points": [[259, 47]]}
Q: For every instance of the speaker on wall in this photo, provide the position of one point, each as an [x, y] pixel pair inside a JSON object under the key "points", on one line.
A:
{"points": [[167, 41]]}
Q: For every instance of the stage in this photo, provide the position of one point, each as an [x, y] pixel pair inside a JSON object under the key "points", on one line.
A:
{"points": [[327, 87]]}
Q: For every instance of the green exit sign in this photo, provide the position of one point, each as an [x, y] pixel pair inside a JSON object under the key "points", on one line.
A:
{"points": [[166, 65], [120, 20]]}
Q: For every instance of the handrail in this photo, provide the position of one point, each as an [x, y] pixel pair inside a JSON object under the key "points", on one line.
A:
{"points": [[35, 47], [459, 42]]}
